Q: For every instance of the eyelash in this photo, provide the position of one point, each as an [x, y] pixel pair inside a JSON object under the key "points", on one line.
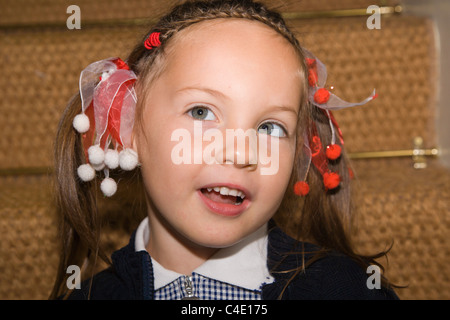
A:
{"points": [[283, 129], [190, 113]]}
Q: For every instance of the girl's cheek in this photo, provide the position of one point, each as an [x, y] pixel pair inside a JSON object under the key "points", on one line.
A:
{"points": [[277, 163]]}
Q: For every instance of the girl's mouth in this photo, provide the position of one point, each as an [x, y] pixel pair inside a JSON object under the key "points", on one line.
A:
{"points": [[224, 200], [224, 195]]}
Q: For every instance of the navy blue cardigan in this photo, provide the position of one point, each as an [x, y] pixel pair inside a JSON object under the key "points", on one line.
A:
{"points": [[334, 276]]}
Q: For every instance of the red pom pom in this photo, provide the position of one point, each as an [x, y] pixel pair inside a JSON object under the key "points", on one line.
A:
{"points": [[331, 180], [321, 96], [301, 188], [333, 151]]}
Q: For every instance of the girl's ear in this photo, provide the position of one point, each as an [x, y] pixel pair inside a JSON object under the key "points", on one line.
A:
{"points": [[134, 142]]}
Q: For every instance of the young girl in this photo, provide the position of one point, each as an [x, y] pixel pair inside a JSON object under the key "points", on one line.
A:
{"points": [[225, 118]]}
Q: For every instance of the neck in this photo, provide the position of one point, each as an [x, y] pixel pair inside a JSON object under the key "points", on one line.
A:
{"points": [[172, 250]]}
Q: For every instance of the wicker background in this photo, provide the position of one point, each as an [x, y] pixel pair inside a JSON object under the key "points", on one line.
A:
{"points": [[28, 250], [41, 66], [409, 208], [54, 11]]}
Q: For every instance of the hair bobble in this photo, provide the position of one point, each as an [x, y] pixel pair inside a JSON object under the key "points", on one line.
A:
{"points": [[152, 41], [106, 120]]}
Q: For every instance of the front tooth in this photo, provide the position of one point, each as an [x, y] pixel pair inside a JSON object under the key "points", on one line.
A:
{"points": [[228, 191]]}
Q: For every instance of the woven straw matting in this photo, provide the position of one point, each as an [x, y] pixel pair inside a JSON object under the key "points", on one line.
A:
{"points": [[44, 11], [410, 208], [28, 251]]}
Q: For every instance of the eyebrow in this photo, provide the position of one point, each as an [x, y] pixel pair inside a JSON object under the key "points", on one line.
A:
{"points": [[210, 91], [283, 108]]}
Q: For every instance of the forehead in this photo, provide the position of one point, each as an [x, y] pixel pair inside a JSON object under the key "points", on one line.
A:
{"points": [[233, 48], [225, 29]]}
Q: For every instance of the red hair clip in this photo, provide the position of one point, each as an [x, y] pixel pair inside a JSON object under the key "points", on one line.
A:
{"points": [[152, 41]]}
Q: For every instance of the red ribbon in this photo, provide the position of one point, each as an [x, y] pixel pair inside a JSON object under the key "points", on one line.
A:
{"points": [[318, 156], [120, 64], [114, 115], [312, 72]]}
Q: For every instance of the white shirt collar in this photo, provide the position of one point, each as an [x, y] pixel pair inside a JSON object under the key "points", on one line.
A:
{"points": [[243, 264]]}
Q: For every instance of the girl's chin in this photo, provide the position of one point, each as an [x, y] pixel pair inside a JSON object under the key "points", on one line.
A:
{"points": [[217, 242], [215, 236]]}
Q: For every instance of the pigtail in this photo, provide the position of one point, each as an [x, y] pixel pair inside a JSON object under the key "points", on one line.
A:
{"points": [[80, 209], [76, 204], [327, 212], [323, 217]]}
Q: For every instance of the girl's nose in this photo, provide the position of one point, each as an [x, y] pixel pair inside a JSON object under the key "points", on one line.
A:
{"points": [[240, 149]]}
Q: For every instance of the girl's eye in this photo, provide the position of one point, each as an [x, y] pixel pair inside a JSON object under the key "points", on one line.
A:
{"points": [[272, 129], [201, 113]]}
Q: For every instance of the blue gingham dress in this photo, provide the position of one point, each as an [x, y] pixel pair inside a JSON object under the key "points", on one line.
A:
{"points": [[205, 289]]}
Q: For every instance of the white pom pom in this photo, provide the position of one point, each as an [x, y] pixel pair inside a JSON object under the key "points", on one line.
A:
{"points": [[96, 155], [128, 159], [112, 158], [86, 172], [98, 167], [108, 187], [81, 123]]}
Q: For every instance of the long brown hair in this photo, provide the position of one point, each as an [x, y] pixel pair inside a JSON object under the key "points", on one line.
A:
{"points": [[321, 217]]}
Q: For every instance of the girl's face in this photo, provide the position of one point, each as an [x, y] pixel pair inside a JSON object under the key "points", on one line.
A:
{"points": [[224, 75]]}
